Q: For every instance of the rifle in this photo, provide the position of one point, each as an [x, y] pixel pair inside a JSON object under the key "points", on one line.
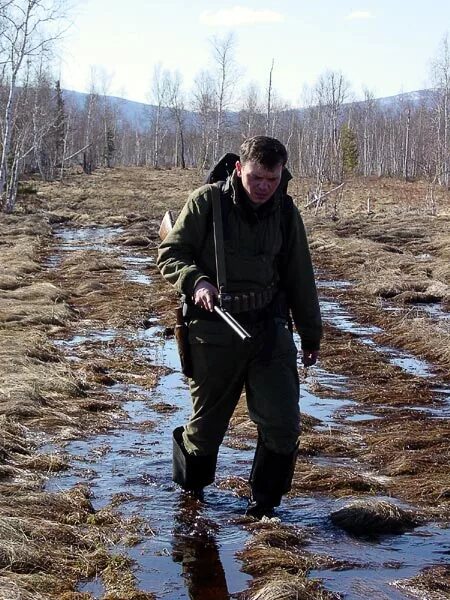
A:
{"points": [[165, 228]]}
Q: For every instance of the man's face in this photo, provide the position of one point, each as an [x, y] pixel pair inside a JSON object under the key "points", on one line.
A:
{"points": [[259, 182]]}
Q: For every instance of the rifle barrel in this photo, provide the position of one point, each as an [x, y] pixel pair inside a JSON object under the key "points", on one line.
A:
{"points": [[231, 321]]}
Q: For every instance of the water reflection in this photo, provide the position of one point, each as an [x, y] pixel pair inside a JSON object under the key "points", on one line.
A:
{"points": [[194, 545]]}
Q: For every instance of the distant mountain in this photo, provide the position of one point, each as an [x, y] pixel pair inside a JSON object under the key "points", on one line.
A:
{"points": [[141, 113], [425, 97], [133, 112]]}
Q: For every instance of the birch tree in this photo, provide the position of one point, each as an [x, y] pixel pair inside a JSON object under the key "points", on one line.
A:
{"points": [[204, 105], [269, 100], [160, 90], [251, 114], [226, 74], [28, 30], [441, 80], [176, 107]]}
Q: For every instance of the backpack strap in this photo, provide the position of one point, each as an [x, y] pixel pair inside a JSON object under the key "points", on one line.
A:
{"points": [[216, 202]]}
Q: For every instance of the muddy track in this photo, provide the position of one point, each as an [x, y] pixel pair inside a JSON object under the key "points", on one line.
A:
{"points": [[375, 429]]}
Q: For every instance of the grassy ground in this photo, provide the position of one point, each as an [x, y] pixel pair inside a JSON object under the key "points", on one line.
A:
{"points": [[396, 253]]}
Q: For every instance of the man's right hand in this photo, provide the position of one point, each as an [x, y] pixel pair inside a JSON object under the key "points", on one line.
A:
{"points": [[205, 294]]}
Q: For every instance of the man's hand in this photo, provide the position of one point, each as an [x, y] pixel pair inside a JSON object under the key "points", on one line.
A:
{"points": [[204, 295], [310, 357]]}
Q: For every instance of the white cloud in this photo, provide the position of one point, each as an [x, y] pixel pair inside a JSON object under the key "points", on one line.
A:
{"points": [[359, 15], [240, 15]]}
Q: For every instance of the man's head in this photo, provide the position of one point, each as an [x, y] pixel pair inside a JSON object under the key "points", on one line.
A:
{"points": [[260, 167]]}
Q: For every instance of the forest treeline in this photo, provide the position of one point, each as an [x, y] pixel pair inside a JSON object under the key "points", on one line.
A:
{"points": [[329, 138]]}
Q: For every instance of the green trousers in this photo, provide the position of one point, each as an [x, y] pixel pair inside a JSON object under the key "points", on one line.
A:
{"points": [[266, 366]]}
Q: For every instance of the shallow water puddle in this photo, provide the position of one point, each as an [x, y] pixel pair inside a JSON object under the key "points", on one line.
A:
{"points": [[87, 238], [334, 284], [335, 314], [190, 551], [383, 560], [84, 238], [432, 310], [135, 274], [136, 462], [322, 408]]}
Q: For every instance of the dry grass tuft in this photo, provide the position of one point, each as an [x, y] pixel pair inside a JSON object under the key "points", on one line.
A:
{"points": [[32, 375], [432, 584], [12, 438], [23, 226], [260, 560], [96, 406], [40, 292], [90, 287], [19, 258], [275, 556], [237, 485], [10, 590], [75, 596], [47, 463], [334, 443], [419, 335], [288, 587], [371, 517], [337, 481], [9, 282], [39, 312], [72, 507], [82, 262], [280, 537], [120, 581]]}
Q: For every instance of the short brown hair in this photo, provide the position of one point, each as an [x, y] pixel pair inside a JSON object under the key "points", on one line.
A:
{"points": [[266, 151]]}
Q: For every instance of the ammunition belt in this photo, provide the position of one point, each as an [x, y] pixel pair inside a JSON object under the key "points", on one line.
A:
{"points": [[238, 302]]}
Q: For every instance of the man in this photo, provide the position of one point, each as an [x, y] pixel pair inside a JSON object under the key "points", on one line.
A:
{"points": [[270, 276]]}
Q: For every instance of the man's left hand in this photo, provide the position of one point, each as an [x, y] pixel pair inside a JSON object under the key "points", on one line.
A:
{"points": [[310, 357]]}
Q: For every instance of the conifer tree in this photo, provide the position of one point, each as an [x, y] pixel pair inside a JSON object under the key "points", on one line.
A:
{"points": [[349, 150]]}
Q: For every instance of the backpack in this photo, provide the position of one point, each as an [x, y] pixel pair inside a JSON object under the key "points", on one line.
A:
{"points": [[223, 168]]}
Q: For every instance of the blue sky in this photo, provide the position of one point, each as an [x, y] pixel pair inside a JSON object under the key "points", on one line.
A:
{"points": [[385, 46]]}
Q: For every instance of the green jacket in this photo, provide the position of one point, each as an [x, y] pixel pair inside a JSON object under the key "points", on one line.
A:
{"points": [[255, 254]]}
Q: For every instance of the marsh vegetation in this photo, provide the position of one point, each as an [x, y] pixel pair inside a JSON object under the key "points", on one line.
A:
{"points": [[90, 389]]}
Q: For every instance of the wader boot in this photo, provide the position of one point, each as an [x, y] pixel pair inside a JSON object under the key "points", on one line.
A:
{"points": [[270, 478], [191, 472]]}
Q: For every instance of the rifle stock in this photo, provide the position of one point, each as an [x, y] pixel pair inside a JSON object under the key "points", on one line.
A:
{"points": [[166, 225]]}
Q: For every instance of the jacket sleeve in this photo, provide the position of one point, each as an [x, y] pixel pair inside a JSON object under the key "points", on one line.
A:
{"points": [[297, 278], [177, 253]]}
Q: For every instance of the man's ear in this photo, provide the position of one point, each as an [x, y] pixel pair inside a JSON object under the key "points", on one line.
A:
{"points": [[238, 166]]}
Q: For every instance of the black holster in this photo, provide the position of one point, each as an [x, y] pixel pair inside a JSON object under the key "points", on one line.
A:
{"points": [[271, 475], [182, 339], [189, 471]]}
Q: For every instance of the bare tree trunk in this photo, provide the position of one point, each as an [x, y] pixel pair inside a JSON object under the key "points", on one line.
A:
{"points": [[407, 142], [7, 136], [223, 55], [269, 99]]}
